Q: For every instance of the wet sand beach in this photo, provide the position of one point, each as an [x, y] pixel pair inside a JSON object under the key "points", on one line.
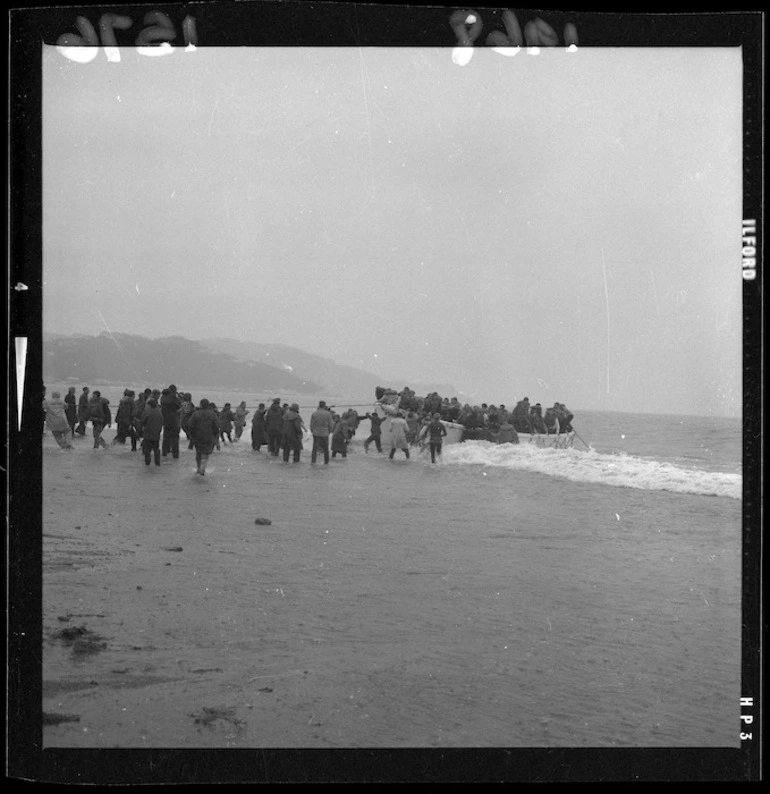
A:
{"points": [[386, 604]]}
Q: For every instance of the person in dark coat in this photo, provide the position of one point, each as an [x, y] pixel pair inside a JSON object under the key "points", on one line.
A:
{"points": [[152, 425], [124, 417], [258, 437], [239, 422], [99, 415], [184, 415], [226, 417], [435, 432], [204, 432], [340, 436], [83, 412], [291, 439], [536, 419], [71, 409], [521, 418], [170, 406], [274, 426], [375, 433]]}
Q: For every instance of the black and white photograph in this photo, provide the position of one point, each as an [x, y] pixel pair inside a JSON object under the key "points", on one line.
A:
{"points": [[389, 396]]}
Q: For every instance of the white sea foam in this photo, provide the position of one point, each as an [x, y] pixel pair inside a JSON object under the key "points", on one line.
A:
{"points": [[625, 471]]}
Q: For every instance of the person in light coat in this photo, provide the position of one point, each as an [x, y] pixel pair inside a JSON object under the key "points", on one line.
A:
{"points": [[56, 420], [321, 427], [398, 435]]}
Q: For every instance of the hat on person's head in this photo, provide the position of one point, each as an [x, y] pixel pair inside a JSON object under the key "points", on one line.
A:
{"points": [[276, 399], [97, 393], [152, 402], [322, 403], [437, 416], [172, 387], [204, 403], [295, 407]]}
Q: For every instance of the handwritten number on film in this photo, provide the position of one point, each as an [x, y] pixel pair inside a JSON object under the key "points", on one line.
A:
{"points": [[467, 27], [153, 39]]}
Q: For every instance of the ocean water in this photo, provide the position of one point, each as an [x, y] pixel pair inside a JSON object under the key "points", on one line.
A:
{"points": [[507, 596]]}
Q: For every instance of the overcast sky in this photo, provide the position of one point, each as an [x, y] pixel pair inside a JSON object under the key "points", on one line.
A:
{"points": [[564, 226]]}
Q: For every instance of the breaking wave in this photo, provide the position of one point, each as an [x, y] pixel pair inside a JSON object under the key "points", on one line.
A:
{"points": [[621, 470]]}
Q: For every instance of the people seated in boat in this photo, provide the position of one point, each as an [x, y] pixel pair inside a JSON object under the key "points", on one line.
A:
{"points": [[453, 412], [536, 419], [476, 419], [432, 403], [521, 417], [565, 417], [504, 414], [407, 400], [551, 421], [493, 419]]}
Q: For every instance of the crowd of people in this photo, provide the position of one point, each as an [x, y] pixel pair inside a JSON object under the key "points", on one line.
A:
{"points": [[478, 421], [155, 418]]}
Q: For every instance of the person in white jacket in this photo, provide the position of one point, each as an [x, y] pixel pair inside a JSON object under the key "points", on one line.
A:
{"points": [[398, 435]]}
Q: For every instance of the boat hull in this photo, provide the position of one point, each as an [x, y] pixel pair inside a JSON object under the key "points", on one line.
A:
{"points": [[457, 433]]}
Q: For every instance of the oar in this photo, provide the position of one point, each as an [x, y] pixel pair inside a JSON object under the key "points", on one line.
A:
{"points": [[575, 431]]}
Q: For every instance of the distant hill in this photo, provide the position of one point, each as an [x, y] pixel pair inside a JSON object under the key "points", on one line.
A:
{"points": [[336, 380], [121, 358]]}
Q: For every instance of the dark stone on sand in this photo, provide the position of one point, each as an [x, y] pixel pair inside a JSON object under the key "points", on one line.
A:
{"points": [[173, 548], [263, 521], [73, 633], [56, 719]]}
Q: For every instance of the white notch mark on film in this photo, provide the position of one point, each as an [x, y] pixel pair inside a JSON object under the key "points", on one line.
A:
{"points": [[21, 370]]}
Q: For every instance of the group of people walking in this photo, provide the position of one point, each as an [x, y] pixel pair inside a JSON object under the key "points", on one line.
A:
{"points": [[156, 417], [280, 427]]}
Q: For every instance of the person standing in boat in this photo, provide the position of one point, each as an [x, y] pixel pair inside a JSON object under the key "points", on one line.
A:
{"points": [[398, 435]]}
